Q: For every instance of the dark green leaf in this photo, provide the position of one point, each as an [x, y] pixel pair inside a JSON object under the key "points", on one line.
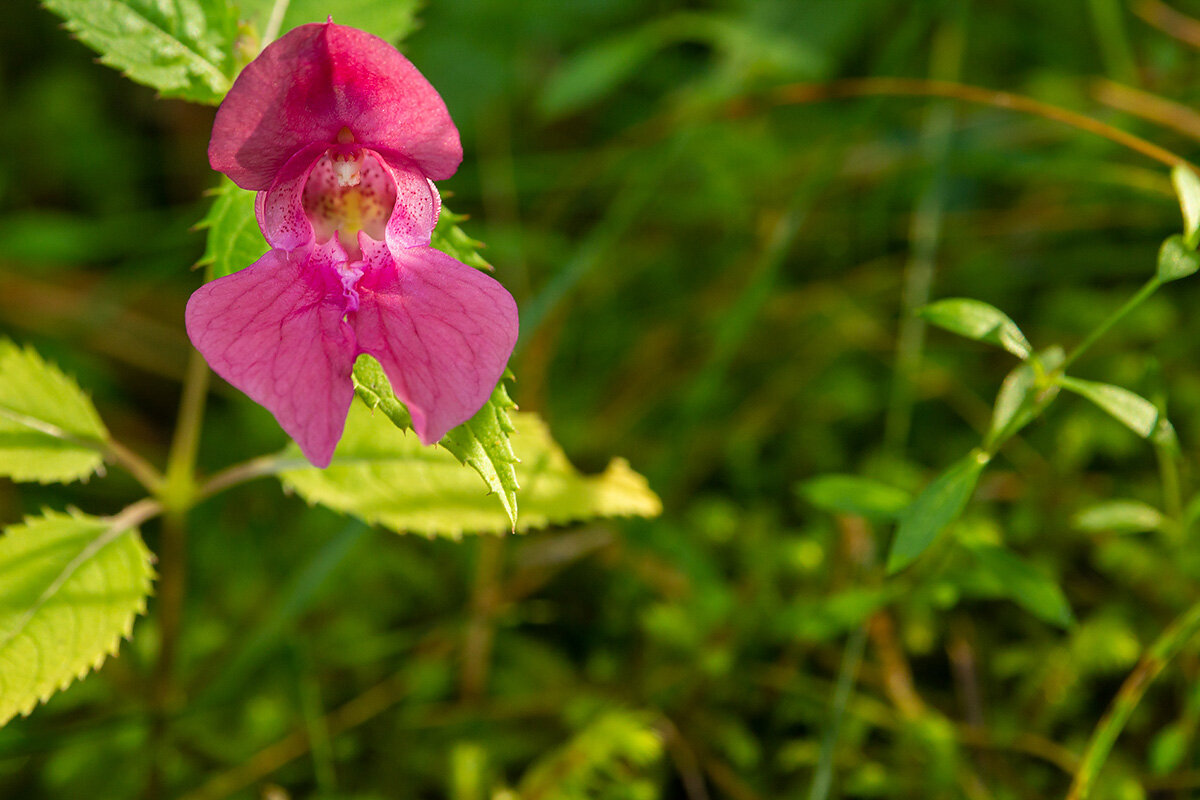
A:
{"points": [[1020, 582], [978, 320], [935, 508], [853, 494]]}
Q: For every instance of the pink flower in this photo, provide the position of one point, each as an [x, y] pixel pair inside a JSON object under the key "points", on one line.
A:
{"points": [[341, 137]]}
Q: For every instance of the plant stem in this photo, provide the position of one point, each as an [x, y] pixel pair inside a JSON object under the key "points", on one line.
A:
{"points": [[1172, 641], [486, 597], [847, 677], [177, 495], [141, 469], [275, 21], [1149, 288]]}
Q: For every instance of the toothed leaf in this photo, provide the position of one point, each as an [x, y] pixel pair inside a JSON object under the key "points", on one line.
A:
{"points": [[233, 239], [49, 429], [183, 48], [70, 587], [385, 475]]}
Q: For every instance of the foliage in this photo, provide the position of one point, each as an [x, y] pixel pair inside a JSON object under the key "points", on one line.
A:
{"points": [[72, 586], [49, 429], [835, 333]]}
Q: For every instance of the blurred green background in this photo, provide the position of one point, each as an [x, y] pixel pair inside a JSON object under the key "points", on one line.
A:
{"points": [[712, 287]]}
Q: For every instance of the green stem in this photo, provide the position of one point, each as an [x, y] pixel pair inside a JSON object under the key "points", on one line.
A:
{"points": [[178, 494], [1149, 288], [1172, 641], [847, 676], [179, 490]]}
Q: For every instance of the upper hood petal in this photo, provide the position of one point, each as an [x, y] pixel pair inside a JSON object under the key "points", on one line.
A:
{"points": [[307, 86]]}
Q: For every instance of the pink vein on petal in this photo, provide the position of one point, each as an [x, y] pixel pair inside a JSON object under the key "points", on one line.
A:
{"points": [[275, 330], [442, 331]]}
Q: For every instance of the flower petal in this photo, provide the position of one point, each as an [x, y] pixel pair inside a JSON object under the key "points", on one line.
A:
{"points": [[316, 80], [442, 331], [275, 330]]}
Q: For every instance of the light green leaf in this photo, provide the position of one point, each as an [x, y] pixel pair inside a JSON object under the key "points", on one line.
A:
{"points": [[70, 587], [853, 494], [453, 241], [1020, 582], [480, 443], [1015, 402], [1187, 187], [1177, 259], [182, 48], [233, 241], [1119, 516], [936, 507], [49, 429], [978, 320], [388, 19], [384, 475], [1134, 411]]}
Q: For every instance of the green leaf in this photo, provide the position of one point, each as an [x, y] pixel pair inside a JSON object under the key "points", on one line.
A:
{"points": [[388, 19], [234, 240], [480, 443], [1119, 516], [71, 587], [451, 240], [49, 429], [182, 48], [384, 475], [980, 321], [484, 444], [1027, 586], [1015, 402], [936, 507], [853, 494], [1187, 187], [1134, 411], [1177, 259]]}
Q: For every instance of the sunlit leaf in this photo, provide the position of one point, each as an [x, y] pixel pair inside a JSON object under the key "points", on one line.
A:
{"points": [[1134, 411], [49, 429], [1119, 516], [233, 240], [853, 494], [182, 48], [1023, 584], [481, 442], [389, 19], [1177, 259], [1015, 402], [936, 507], [71, 587], [384, 475], [1187, 187], [978, 320], [453, 241]]}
